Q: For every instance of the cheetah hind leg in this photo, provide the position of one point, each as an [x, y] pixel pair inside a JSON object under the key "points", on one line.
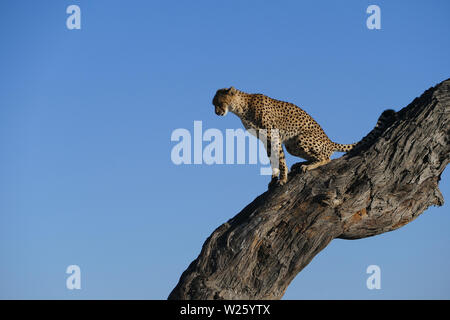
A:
{"points": [[297, 166], [314, 165]]}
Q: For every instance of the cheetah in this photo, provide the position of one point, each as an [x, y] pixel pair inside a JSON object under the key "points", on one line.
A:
{"points": [[301, 135]]}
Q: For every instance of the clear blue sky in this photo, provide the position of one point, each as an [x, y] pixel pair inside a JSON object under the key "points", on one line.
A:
{"points": [[86, 118]]}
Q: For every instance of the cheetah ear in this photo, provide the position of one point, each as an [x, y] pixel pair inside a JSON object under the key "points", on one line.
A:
{"points": [[232, 90]]}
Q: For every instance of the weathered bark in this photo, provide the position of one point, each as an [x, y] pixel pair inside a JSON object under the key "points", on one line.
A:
{"points": [[256, 254]]}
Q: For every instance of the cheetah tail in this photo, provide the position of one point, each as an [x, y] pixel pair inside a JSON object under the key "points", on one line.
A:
{"points": [[343, 147]]}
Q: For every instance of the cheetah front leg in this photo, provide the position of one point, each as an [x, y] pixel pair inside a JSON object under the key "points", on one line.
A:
{"points": [[278, 164], [283, 170]]}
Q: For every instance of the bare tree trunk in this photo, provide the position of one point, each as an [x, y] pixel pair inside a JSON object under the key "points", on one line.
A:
{"points": [[369, 191]]}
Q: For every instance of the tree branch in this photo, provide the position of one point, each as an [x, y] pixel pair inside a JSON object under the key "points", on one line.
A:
{"points": [[369, 191]]}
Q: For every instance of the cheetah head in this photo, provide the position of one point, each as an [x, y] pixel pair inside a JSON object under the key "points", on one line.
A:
{"points": [[223, 100]]}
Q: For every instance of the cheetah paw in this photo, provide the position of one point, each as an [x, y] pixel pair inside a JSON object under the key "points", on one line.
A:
{"points": [[276, 183], [273, 183], [299, 166]]}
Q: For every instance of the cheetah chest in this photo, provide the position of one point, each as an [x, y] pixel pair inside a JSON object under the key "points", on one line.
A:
{"points": [[250, 126]]}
